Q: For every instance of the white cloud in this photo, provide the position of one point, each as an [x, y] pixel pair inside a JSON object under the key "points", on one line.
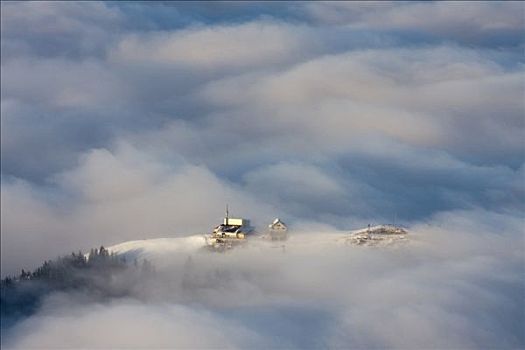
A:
{"points": [[456, 284], [259, 43], [130, 324], [114, 196], [338, 115], [422, 97], [462, 20]]}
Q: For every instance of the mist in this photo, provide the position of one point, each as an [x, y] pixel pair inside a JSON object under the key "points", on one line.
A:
{"points": [[455, 284], [125, 121]]}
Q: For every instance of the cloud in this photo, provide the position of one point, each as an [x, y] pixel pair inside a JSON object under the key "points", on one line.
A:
{"points": [[344, 138], [273, 91], [57, 29], [133, 120], [137, 326], [457, 283], [484, 24], [218, 47], [75, 84], [114, 196], [306, 191], [421, 97]]}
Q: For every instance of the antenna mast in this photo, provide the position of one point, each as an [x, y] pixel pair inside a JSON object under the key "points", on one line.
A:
{"points": [[227, 214]]}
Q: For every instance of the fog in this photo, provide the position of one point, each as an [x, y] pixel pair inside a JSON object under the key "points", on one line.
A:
{"points": [[124, 121], [456, 284]]}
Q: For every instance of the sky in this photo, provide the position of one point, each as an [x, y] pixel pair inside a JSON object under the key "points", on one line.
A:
{"points": [[132, 120]]}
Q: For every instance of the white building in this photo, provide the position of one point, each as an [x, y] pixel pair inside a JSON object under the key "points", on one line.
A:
{"points": [[235, 222], [232, 227], [278, 230]]}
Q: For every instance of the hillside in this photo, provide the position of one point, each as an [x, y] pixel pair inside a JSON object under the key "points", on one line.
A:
{"points": [[156, 249], [151, 249]]}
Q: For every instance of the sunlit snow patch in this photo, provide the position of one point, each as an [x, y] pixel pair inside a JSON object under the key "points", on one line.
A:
{"points": [[380, 235], [159, 249]]}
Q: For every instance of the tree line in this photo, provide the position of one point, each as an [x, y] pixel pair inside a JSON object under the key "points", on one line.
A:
{"points": [[100, 274]]}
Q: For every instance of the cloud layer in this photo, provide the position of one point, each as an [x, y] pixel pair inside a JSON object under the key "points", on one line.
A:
{"points": [[124, 121], [330, 112], [456, 284]]}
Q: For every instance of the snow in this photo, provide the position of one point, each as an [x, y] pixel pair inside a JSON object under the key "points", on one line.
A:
{"points": [[381, 229], [160, 249], [380, 235]]}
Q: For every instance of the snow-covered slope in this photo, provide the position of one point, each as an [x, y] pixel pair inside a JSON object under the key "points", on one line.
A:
{"points": [[381, 229], [160, 250], [380, 235], [157, 249]]}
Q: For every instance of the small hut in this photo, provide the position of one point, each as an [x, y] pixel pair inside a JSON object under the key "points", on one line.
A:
{"points": [[277, 230]]}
